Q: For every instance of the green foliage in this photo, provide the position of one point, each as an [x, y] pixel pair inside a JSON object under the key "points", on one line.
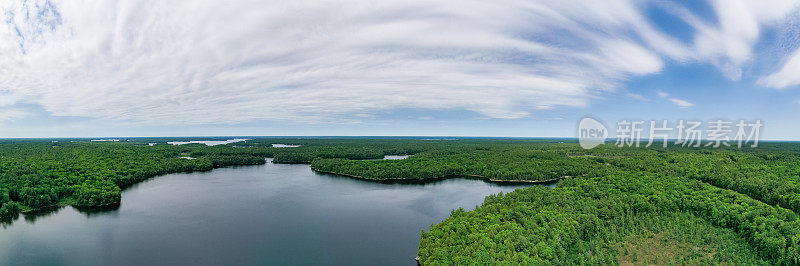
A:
{"points": [[583, 221], [702, 206], [96, 193], [35, 174], [42, 173], [730, 193], [498, 162]]}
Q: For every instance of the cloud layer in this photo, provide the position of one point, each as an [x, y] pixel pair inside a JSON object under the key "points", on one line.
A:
{"points": [[197, 62]]}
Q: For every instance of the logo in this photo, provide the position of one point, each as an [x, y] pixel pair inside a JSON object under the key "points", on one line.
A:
{"points": [[591, 133]]}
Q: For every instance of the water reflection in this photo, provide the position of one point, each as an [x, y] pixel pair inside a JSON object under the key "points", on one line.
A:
{"points": [[34, 215], [98, 210], [247, 215], [7, 221]]}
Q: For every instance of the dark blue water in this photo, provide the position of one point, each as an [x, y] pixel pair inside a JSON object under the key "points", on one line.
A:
{"points": [[269, 214]]}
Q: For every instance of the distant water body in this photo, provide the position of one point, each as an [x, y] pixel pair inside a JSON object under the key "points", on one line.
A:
{"points": [[207, 142], [396, 157], [284, 146], [273, 214]]}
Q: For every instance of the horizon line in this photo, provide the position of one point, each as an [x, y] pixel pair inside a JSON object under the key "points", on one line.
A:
{"points": [[358, 136]]}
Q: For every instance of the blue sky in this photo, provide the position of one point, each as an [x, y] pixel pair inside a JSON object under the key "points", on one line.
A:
{"points": [[354, 67]]}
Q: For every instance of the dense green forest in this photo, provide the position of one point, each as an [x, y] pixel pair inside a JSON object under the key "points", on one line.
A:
{"points": [[613, 205], [610, 198], [522, 161], [742, 202]]}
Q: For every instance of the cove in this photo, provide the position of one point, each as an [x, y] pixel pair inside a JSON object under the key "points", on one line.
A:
{"points": [[265, 214]]}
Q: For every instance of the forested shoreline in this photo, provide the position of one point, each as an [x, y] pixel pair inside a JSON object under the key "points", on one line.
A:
{"points": [[440, 178], [631, 205], [42, 173], [745, 198]]}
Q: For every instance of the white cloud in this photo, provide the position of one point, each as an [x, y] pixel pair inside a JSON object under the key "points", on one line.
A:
{"points": [[12, 114], [637, 97], [196, 62], [187, 62], [789, 75], [681, 103], [8, 98], [728, 41]]}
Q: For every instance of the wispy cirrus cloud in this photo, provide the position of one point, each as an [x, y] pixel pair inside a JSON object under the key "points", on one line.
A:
{"points": [[637, 96], [680, 103], [192, 62], [789, 74], [728, 41]]}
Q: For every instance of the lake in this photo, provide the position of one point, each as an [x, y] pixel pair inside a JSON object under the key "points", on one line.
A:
{"points": [[267, 214], [284, 146], [206, 142]]}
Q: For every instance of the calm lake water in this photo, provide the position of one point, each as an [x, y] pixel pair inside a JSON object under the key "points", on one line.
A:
{"points": [[269, 214], [284, 146], [207, 142]]}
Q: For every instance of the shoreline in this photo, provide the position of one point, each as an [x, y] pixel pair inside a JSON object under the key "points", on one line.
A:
{"points": [[441, 178], [66, 203]]}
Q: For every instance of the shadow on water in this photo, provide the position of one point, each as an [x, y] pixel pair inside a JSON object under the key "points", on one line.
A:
{"points": [[93, 211], [31, 216], [34, 215], [7, 221]]}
